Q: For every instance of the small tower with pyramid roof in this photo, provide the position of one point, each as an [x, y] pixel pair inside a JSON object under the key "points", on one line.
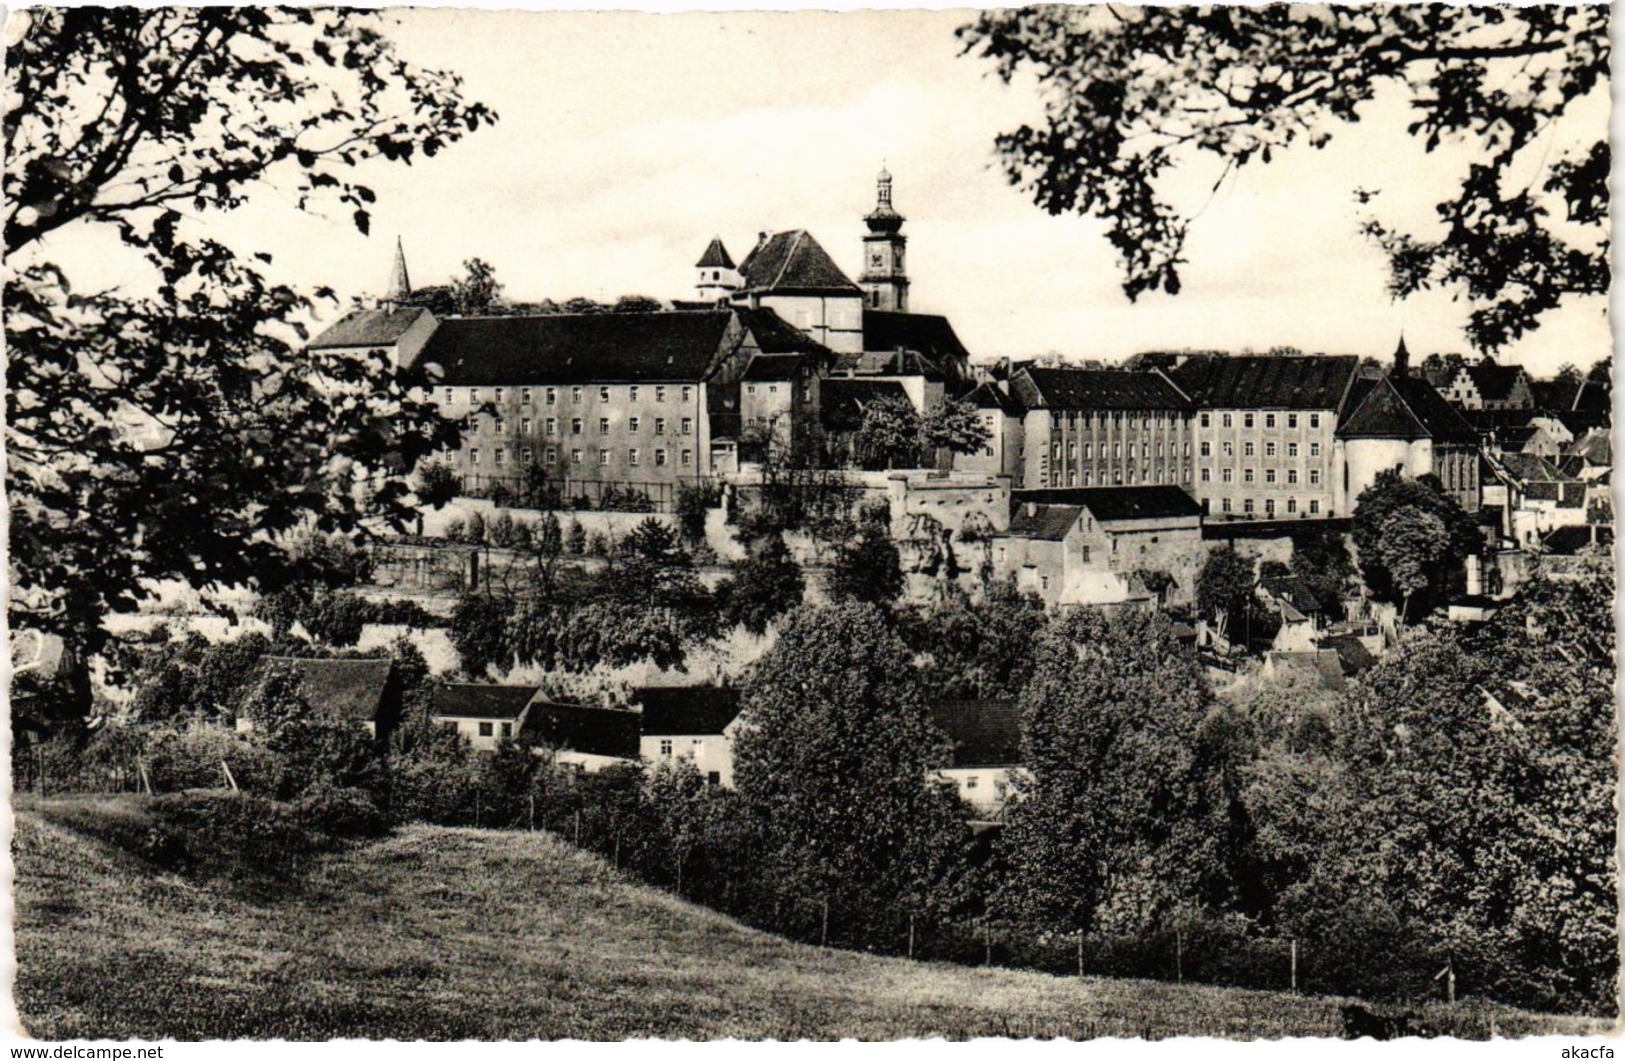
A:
{"points": [[884, 282], [718, 276], [1402, 358], [400, 284]]}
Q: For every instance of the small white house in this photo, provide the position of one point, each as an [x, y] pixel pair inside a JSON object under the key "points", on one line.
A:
{"points": [[693, 722], [986, 740], [485, 714]]}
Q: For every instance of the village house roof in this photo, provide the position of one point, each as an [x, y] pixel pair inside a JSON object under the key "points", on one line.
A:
{"points": [[774, 335], [926, 333], [1596, 446], [1293, 590], [1515, 438], [889, 363], [990, 396], [1494, 382], [774, 368], [1086, 388], [1404, 407], [982, 732], [841, 401], [577, 348], [687, 710], [1318, 382], [1566, 541], [602, 731], [793, 263], [1045, 523], [368, 327], [715, 256], [353, 690], [1352, 655], [1531, 468], [1111, 503], [1325, 665], [471, 700]]}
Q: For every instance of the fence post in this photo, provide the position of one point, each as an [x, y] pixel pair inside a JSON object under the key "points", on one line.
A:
{"points": [[823, 938], [910, 937], [146, 782], [1179, 955], [1080, 954], [1450, 981], [533, 812], [987, 944], [1294, 967], [578, 829]]}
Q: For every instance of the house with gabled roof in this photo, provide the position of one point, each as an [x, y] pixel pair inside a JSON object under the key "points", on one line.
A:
{"points": [[1488, 385], [485, 714], [584, 736], [695, 723], [1398, 421], [1103, 427], [1089, 545], [364, 692], [1003, 416], [791, 274], [984, 738]]}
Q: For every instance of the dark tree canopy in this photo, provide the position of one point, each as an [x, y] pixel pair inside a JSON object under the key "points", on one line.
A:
{"points": [[168, 428], [1413, 540], [1132, 94]]}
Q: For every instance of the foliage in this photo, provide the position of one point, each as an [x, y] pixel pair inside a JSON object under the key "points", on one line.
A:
{"points": [[1224, 586], [192, 679], [636, 304], [329, 618], [1413, 540], [479, 632], [1133, 95], [868, 566], [764, 585], [477, 291], [976, 648], [832, 767], [576, 539], [438, 484], [1131, 807], [954, 425], [132, 410], [1322, 561], [888, 434], [694, 501]]}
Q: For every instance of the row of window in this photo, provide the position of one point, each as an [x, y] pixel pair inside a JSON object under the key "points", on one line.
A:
{"points": [[1119, 477], [634, 457], [1270, 420], [1071, 417], [1249, 449], [1248, 509], [634, 424], [1228, 475], [1116, 450], [772, 388], [551, 394]]}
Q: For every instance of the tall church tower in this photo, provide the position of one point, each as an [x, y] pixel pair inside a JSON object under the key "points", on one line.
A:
{"points": [[884, 283], [400, 285]]}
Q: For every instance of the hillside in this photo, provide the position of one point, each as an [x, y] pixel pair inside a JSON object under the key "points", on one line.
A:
{"points": [[459, 933]]}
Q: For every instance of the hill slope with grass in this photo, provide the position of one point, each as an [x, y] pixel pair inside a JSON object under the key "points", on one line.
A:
{"points": [[460, 933]]}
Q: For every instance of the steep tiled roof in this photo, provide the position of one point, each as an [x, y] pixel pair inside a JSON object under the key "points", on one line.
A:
{"points": [[356, 690], [1566, 541], [470, 700], [841, 401], [1596, 446], [1531, 468], [991, 396], [1266, 382], [1109, 503], [1326, 665], [687, 710], [1293, 590], [982, 732], [1594, 397], [1045, 523], [715, 256], [773, 368], [889, 363], [1352, 655], [1402, 407], [926, 333], [368, 327], [791, 262], [576, 348], [1494, 382], [579, 728], [1085, 388], [774, 335]]}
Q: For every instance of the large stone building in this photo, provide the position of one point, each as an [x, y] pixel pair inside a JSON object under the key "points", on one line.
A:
{"points": [[1102, 427], [1266, 433]]}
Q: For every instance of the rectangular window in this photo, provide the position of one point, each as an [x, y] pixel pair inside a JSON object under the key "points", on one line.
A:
{"points": [[498, 426], [1314, 449], [1269, 475], [1117, 449], [660, 458], [552, 426], [688, 425], [1314, 476], [1227, 420], [1224, 505], [632, 424], [1071, 451], [524, 395], [501, 453], [688, 458], [603, 394], [525, 426], [1292, 476], [451, 395], [485, 729], [1246, 419], [660, 394], [1291, 449], [1291, 505], [1207, 420], [603, 425], [772, 388], [507, 729], [1055, 450], [603, 458], [1269, 506], [1314, 419], [1269, 449], [750, 388], [1228, 475], [632, 457], [575, 425], [1207, 475], [529, 457], [1314, 507], [660, 425], [970, 782], [575, 395], [552, 454], [1088, 477], [1247, 449], [1291, 419], [1269, 419], [1229, 449], [473, 394], [632, 393], [1131, 451], [1247, 475], [1247, 506], [498, 395], [1207, 449], [575, 456], [552, 395], [688, 393], [665, 749], [473, 456]]}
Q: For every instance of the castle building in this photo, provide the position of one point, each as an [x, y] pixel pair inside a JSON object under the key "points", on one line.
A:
{"points": [[1266, 434], [1102, 427]]}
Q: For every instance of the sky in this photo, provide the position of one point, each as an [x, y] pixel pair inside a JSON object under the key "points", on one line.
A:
{"points": [[626, 141]]}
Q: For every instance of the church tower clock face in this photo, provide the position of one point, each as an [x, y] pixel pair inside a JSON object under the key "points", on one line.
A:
{"points": [[877, 259]]}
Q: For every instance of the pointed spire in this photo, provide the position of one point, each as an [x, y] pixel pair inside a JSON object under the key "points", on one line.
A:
{"points": [[1402, 358], [883, 187], [400, 285]]}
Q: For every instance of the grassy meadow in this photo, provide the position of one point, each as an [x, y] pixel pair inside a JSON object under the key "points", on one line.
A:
{"points": [[442, 933]]}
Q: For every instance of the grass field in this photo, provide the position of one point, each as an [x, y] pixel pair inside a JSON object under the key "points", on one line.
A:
{"points": [[459, 933]]}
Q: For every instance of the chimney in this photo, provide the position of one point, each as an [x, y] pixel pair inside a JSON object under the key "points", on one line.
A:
{"points": [[1402, 359]]}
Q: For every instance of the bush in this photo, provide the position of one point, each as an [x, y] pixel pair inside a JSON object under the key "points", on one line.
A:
{"points": [[192, 758], [575, 540], [224, 833], [340, 812]]}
